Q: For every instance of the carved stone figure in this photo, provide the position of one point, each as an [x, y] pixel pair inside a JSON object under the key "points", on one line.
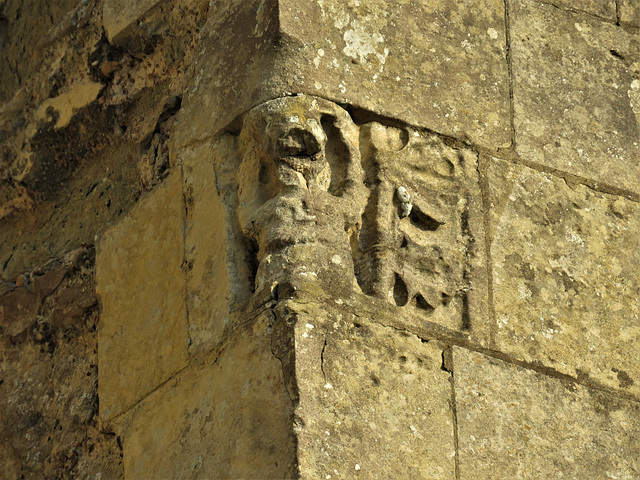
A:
{"points": [[416, 244], [301, 193]]}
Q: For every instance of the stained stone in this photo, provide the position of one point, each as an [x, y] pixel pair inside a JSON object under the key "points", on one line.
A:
{"points": [[227, 418], [437, 65], [374, 401], [518, 424], [142, 334], [630, 12], [576, 101], [565, 276]]}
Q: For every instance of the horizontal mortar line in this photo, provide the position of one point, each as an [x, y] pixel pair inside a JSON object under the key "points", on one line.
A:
{"points": [[594, 185], [451, 338], [580, 12]]}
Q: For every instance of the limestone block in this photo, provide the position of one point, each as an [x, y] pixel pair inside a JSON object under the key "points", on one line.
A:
{"points": [[576, 101], [630, 12], [142, 336], [119, 14], [431, 63], [566, 276], [374, 401], [227, 418], [518, 424], [601, 8], [208, 289]]}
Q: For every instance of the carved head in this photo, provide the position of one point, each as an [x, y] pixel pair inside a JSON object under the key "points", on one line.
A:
{"points": [[299, 142]]}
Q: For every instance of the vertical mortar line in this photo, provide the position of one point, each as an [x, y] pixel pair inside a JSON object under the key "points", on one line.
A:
{"points": [[185, 270], [618, 12], [507, 34], [483, 166], [448, 359]]}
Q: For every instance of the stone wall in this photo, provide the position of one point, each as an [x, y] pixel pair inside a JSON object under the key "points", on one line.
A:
{"points": [[327, 239]]}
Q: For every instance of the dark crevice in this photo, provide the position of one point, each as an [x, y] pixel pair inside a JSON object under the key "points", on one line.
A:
{"points": [[400, 292], [509, 54], [617, 54], [423, 221], [324, 346], [466, 318], [422, 304]]}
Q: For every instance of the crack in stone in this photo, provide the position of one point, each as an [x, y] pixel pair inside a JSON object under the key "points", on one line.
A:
{"points": [[324, 376]]}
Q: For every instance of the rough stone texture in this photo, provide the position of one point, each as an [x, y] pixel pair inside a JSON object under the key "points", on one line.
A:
{"points": [[434, 64], [308, 221], [518, 424], [119, 14], [316, 198], [565, 276], [601, 8], [228, 418], [49, 376], [421, 243], [62, 182], [576, 95], [630, 12], [208, 290], [23, 24], [143, 334], [373, 402]]}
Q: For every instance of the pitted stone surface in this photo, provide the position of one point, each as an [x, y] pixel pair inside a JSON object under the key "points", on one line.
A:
{"points": [[518, 424], [630, 12], [374, 402], [142, 335], [565, 276], [576, 94]]}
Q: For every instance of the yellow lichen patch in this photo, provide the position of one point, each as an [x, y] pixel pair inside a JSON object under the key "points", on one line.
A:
{"points": [[80, 95]]}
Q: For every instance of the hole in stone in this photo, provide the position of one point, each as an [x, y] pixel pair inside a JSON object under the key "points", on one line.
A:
{"points": [[400, 292], [423, 221], [404, 242], [422, 304], [616, 54], [446, 299]]}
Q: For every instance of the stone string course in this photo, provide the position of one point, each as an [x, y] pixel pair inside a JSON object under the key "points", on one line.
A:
{"points": [[326, 239]]}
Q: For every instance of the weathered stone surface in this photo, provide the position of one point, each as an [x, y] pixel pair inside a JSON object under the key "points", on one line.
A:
{"points": [[601, 8], [432, 64], [316, 197], [49, 379], [421, 243], [208, 287], [374, 402], [429, 63], [630, 12], [143, 333], [23, 24], [565, 276], [518, 424], [576, 99], [119, 14], [228, 418]]}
